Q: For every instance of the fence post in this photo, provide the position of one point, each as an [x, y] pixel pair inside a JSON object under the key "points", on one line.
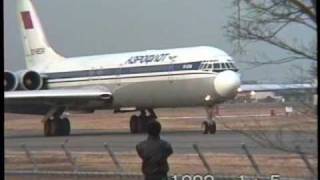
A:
{"points": [[30, 157], [250, 157], [71, 159], [306, 161], [202, 158], [113, 157]]}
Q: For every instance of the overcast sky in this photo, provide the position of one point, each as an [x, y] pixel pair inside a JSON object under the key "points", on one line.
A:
{"points": [[88, 27]]}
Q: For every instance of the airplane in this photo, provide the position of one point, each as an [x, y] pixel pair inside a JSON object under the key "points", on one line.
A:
{"points": [[134, 81]]}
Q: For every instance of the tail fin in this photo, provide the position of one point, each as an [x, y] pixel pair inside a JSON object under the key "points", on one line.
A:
{"points": [[38, 52]]}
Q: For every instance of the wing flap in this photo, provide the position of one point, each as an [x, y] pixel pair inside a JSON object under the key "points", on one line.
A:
{"points": [[58, 94], [39, 101]]}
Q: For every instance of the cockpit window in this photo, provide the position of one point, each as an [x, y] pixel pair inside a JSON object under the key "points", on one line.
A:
{"points": [[215, 66], [204, 66], [233, 67]]}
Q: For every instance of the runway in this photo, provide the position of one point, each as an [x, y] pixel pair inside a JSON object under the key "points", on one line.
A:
{"points": [[181, 128], [182, 141]]}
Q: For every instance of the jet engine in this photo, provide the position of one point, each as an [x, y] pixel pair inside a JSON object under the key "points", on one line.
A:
{"points": [[30, 80], [11, 81]]}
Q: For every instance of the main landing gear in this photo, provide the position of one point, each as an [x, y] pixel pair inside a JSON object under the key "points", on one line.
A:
{"points": [[56, 125], [209, 125], [138, 124]]}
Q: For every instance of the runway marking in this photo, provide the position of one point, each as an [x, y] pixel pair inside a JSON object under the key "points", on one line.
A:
{"points": [[225, 116]]}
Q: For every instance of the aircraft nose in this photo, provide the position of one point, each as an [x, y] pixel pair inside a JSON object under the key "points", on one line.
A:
{"points": [[226, 83]]}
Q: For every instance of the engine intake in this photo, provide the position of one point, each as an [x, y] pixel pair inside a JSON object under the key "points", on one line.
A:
{"points": [[11, 81], [30, 80], [23, 80]]}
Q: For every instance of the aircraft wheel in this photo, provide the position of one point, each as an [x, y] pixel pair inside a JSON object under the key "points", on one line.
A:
{"points": [[140, 124], [60, 129], [144, 120], [51, 128], [205, 124], [47, 128], [152, 118], [57, 127], [64, 127], [213, 128], [134, 124]]}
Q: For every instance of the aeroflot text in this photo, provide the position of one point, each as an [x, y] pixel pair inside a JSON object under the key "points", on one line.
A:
{"points": [[147, 59]]}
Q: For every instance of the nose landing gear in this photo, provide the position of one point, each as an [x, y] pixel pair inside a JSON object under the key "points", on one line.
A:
{"points": [[209, 125], [138, 124]]}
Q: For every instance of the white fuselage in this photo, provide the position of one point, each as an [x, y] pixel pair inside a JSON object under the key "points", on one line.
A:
{"points": [[152, 78], [144, 79]]}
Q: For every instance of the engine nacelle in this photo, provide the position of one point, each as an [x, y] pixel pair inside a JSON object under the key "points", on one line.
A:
{"points": [[30, 80], [11, 81]]}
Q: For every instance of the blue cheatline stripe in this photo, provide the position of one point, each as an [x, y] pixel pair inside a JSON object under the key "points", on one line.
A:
{"points": [[126, 70], [63, 80]]}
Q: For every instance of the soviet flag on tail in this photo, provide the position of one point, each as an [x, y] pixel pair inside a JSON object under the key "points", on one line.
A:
{"points": [[27, 20]]}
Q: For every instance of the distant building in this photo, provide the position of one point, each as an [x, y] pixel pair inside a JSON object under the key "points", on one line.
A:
{"points": [[297, 96], [243, 98], [267, 96], [294, 95]]}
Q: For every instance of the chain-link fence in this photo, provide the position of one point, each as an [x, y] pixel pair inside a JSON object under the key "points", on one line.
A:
{"points": [[107, 164]]}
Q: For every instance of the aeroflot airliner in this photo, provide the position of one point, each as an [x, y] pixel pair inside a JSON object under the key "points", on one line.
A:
{"points": [[134, 81]]}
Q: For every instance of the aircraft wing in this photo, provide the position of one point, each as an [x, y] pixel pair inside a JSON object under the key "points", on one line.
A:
{"points": [[275, 87], [41, 101]]}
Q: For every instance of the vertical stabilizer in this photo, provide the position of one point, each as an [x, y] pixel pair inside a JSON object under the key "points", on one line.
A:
{"points": [[38, 52]]}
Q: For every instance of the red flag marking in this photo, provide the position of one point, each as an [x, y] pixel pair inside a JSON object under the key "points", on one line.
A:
{"points": [[27, 20]]}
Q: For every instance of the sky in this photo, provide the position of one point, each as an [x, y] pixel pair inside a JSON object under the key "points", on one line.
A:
{"points": [[82, 27]]}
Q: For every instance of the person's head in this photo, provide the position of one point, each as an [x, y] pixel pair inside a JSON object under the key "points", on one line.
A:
{"points": [[154, 128]]}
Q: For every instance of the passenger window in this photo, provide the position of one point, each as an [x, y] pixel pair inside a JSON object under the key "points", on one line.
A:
{"points": [[223, 66], [209, 66], [216, 66], [227, 65]]}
